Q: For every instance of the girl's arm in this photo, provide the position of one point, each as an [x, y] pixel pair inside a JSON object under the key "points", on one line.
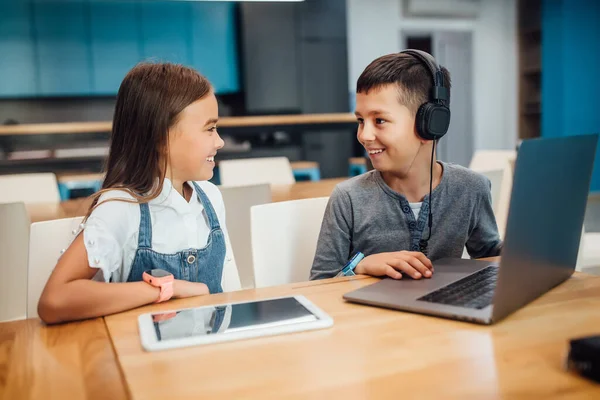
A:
{"points": [[70, 294]]}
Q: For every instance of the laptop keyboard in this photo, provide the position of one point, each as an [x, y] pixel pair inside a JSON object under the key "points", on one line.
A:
{"points": [[473, 291]]}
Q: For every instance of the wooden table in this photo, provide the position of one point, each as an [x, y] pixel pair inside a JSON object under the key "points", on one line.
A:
{"points": [[368, 353], [39, 212], [78, 207], [372, 352], [304, 190], [72, 361]]}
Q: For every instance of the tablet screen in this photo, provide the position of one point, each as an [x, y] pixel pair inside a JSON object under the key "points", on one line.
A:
{"points": [[230, 318]]}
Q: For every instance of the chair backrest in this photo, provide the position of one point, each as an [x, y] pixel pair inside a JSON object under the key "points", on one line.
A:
{"points": [[238, 201], [589, 251], [231, 277], [46, 241], [284, 240], [252, 171], [495, 176], [29, 188], [14, 241], [491, 160], [581, 252]]}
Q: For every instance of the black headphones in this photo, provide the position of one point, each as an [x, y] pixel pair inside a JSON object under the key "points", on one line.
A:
{"points": [[433, 118], [432, 121]]}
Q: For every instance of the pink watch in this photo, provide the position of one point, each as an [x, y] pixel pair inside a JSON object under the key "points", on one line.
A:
{"points": [[161, 279]]}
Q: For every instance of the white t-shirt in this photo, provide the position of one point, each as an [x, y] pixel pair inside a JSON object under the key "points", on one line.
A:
{"points": [[416, 209], [112, 230]]}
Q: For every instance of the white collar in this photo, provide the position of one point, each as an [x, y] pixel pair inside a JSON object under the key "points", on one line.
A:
{"points": [[169, 197]]}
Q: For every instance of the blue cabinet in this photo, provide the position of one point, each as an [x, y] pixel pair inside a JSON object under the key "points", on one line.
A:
{"points": [[63, 47], [17, 56], [213, 44], [570, 58], [165, 28], [115, 44], [85, 47]]}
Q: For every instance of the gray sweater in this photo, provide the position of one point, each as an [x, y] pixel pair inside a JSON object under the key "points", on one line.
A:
{"points": [[364, 214]]}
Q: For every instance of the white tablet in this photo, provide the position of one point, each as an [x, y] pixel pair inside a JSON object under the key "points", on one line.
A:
{"points": [[211, 324]]}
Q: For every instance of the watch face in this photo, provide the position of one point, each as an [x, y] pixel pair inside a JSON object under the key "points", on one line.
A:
{"points": [[158, 273]]}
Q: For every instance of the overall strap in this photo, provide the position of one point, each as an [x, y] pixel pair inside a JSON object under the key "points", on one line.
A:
{"points": [[145, 233], [210, 211]]}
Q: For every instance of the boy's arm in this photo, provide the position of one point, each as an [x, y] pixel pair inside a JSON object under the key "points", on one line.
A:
{"points": [[333, 246], [484, 240]]}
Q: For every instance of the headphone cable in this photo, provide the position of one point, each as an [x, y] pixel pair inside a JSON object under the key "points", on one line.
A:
{"points": [[424, 242]]}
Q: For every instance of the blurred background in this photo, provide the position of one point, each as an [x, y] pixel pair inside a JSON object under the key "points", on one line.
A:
{"points": [[520, 69], [284, 74]]}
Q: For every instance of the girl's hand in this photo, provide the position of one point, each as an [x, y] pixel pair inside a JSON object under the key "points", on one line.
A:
{"points": [[183, 289]]}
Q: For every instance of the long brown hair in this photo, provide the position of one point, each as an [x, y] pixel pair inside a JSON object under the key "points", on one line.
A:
{"points": [[149, 102]]}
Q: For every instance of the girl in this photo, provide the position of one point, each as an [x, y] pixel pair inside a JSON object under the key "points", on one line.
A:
{"points": [[157, 227]]}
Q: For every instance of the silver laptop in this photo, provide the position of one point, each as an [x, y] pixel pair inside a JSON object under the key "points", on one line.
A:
{"points": [[549, 194]]}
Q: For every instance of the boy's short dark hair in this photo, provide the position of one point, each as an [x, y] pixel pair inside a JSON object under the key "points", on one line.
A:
{"points": [[412, 77]]}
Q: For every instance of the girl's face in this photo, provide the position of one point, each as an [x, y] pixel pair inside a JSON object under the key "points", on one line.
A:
{"points": [[194, 141]]}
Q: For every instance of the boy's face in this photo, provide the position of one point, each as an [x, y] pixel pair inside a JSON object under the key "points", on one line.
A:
{"points": [[386, 129]]}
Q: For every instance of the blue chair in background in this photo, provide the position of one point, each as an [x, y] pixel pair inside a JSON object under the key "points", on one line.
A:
{"points": [[306, 171], [68, 183], [357, 166]]}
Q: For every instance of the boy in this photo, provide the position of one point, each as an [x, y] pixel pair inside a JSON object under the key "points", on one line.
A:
{"points": [[384, 213]]}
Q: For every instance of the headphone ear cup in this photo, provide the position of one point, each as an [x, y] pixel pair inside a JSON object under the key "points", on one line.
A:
{"points": [[420, 122], [432, 121]]}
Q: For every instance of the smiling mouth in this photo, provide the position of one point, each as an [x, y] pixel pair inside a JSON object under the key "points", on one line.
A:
{"points": [[210, 159], [375, 151]]}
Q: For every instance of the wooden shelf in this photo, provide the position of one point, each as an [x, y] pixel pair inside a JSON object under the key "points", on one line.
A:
{"points": [[534, 32], [225, 122], [530, 68], [532, 104]]}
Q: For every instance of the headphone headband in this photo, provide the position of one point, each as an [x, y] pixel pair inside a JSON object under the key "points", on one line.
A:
{"points": [[439, 92], [433, 117]]}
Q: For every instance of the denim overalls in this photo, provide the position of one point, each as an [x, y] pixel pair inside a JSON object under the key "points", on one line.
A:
{"points": [[195, 265]]}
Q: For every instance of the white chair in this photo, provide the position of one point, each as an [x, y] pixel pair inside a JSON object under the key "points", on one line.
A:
{"points": [[589, 251], [485, 161], [495, 176], [491, 159], [590, 255], [284, 240], [14, 240], [29, 188], [252, 171], [230, 280], [46, 241], [238, 201]]}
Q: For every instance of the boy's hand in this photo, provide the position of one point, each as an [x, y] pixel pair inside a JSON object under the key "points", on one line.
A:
{"points": [[394, 264], [183, 289]]}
